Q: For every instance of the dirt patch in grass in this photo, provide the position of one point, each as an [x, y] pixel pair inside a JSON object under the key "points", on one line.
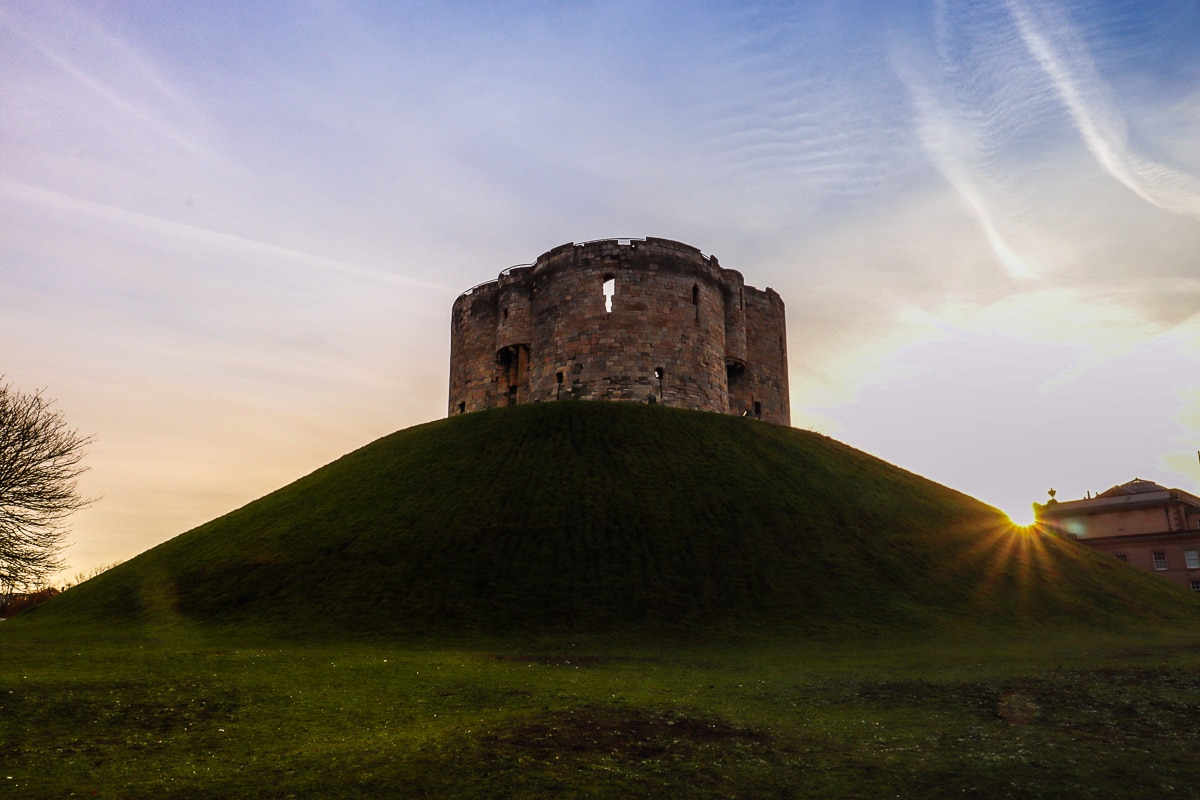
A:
{"points": [[622, 733]]}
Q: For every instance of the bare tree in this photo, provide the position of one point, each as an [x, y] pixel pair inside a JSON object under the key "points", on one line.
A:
{"points": [[41, 459]]}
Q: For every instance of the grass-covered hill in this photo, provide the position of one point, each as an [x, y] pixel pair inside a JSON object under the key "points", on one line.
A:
{"points": [[570, 517]]}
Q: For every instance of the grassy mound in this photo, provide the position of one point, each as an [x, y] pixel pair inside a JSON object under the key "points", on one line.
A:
{"points": [[566, 517]]}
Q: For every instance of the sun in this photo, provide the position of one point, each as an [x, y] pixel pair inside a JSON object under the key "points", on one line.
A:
{"points": [[1023, 518]]}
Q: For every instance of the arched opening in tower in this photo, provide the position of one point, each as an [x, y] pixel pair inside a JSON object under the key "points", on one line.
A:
{"points": [[738, 390], [512, 371], [610, 289]]}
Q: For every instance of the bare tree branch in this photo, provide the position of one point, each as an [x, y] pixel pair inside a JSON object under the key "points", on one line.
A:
{"points": [[41, 459]]}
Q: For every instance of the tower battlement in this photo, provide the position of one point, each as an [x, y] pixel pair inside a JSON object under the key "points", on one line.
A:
{"points": [[645, 320]]}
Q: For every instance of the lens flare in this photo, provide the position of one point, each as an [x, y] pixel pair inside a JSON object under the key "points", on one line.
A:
{"points": [[1021, 519]]}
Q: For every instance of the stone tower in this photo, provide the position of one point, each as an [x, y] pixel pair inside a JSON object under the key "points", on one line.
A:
{"points": [[647, 320]]}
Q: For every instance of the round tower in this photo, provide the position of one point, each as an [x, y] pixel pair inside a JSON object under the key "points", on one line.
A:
{"points": [[647, 320]]}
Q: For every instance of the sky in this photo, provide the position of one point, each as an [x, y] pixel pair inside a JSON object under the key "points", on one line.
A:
{"points": [[231, 233]]}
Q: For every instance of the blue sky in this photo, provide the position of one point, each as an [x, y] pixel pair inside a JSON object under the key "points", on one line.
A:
{"points": [[230, 233]]}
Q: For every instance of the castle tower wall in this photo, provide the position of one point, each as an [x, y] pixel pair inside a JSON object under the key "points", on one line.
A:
{"points": [[735, 317], [644, 320], [664, 313], [514, 304], [472, 349], [766, 381], [514, 334]]}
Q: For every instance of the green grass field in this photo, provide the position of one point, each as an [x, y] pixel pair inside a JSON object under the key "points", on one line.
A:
{"points": [[602, 600], [175, 714]]}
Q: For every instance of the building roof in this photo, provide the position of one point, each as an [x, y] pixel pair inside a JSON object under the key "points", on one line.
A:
{"points": [[1135, 486], [1137, 493]]}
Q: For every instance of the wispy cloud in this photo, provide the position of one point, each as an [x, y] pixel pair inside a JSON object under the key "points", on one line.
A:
{"points": [[129, 87], [973, 95], [182, 233], [1064, 56], [790, 129], [950, 150]]}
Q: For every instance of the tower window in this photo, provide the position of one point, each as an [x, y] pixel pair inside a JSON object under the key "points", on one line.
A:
{"points": [[695, 294], [610, 289]]}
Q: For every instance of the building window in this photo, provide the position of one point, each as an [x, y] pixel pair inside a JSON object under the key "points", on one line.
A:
{"points": [[610, 289], [1195, 586], [1192, 558], [1121, 557], [1160, 560]]}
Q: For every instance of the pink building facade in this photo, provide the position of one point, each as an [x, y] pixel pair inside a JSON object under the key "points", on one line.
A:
{"points": [[1140, 522]]}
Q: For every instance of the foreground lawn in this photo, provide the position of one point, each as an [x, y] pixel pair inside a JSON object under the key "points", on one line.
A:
{"points": [[125, 714]]}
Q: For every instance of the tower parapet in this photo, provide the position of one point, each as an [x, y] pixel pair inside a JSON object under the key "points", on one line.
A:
{"points": [[648, 320]]}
